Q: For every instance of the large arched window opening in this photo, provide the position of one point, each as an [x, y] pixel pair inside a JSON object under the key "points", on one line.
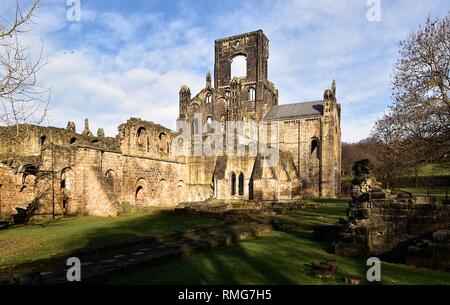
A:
{"points": [[67, 179], [209, 124], [142, 137], [195, 117], [66, 188], [241, 184], [111, 178], [139, 197], [196, 125], [233, 184], [239, 66], [314, 148]]}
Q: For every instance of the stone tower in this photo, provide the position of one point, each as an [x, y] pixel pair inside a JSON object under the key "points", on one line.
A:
{"points": [[252, 93]]}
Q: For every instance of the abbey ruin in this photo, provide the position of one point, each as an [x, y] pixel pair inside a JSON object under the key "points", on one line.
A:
{"points": [[62, 171]]}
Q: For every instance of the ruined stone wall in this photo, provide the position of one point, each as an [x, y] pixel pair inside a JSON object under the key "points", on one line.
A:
{"points": [[74, 173], [145, 139], [162, 182], [79, 186], [199, 177], [387, 223], [378, 220], [330, 157], [15, 191]]}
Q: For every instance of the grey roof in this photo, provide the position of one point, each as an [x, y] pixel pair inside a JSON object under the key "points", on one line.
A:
{"points": [[287, 111]]}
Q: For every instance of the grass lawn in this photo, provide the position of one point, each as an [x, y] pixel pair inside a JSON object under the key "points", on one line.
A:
{"points": [[308, 218], [435, 191], [433, 169], [278, 258], [44, 239]]}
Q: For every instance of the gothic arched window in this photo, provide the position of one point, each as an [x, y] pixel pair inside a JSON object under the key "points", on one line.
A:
{"points": [[251, 94], [233, 184], [315, 148], [208, 98]]}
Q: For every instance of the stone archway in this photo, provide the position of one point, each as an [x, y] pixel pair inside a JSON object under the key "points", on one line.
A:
{"points": [[111, 178], [180, 192], [163, 192], [241, 184], [67, 188], [140, 196], [140, 193], [233, 184]]}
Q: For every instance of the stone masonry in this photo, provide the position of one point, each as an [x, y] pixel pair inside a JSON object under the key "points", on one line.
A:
{"points": [[68, 172]]}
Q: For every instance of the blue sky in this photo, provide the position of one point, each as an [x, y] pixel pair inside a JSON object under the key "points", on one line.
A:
{"points": [[129, 58]]}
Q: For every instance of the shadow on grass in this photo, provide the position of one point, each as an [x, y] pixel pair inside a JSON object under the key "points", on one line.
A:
{"points": [[34, 245], [276, 258]]}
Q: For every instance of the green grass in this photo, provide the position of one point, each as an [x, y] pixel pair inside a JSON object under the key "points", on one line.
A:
{"points": [[435, 191], [278, 258], [433, 169], [45, 239], [308, 218]]}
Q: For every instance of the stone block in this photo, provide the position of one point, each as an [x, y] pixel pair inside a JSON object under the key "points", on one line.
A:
{"points": [[350, 250]]}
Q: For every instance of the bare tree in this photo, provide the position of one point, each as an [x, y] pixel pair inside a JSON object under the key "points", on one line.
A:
{"points": [[416, 129], [22, 99], [421, 109]]}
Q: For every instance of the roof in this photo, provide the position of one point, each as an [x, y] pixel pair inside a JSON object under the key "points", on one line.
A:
{"points": [[287, 111]]}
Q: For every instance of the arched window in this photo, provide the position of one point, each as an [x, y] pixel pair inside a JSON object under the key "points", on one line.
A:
{"points": [[239, 66], [67, 179], [208, 98], [227, 94], [111, 177], [251, 94], [196, 116], [29, 174], [209, 124], [241, 184], [163, 187], [142, 137], [180, 195], [233, 184], [222, 122], [314, 148], [163, 143], [42, 140], [139, 195], [196, 125]]}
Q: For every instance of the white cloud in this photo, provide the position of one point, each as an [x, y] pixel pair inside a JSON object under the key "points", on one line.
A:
{"points": [[133, 64]]}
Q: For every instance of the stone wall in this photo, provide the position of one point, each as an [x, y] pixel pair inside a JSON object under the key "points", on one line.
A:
{"points": [[378, 221], [384, 224], [72, 173], [14, 191]]}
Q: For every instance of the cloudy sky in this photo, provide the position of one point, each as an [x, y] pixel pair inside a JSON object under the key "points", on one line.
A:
{"points": [[129, 58]]}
